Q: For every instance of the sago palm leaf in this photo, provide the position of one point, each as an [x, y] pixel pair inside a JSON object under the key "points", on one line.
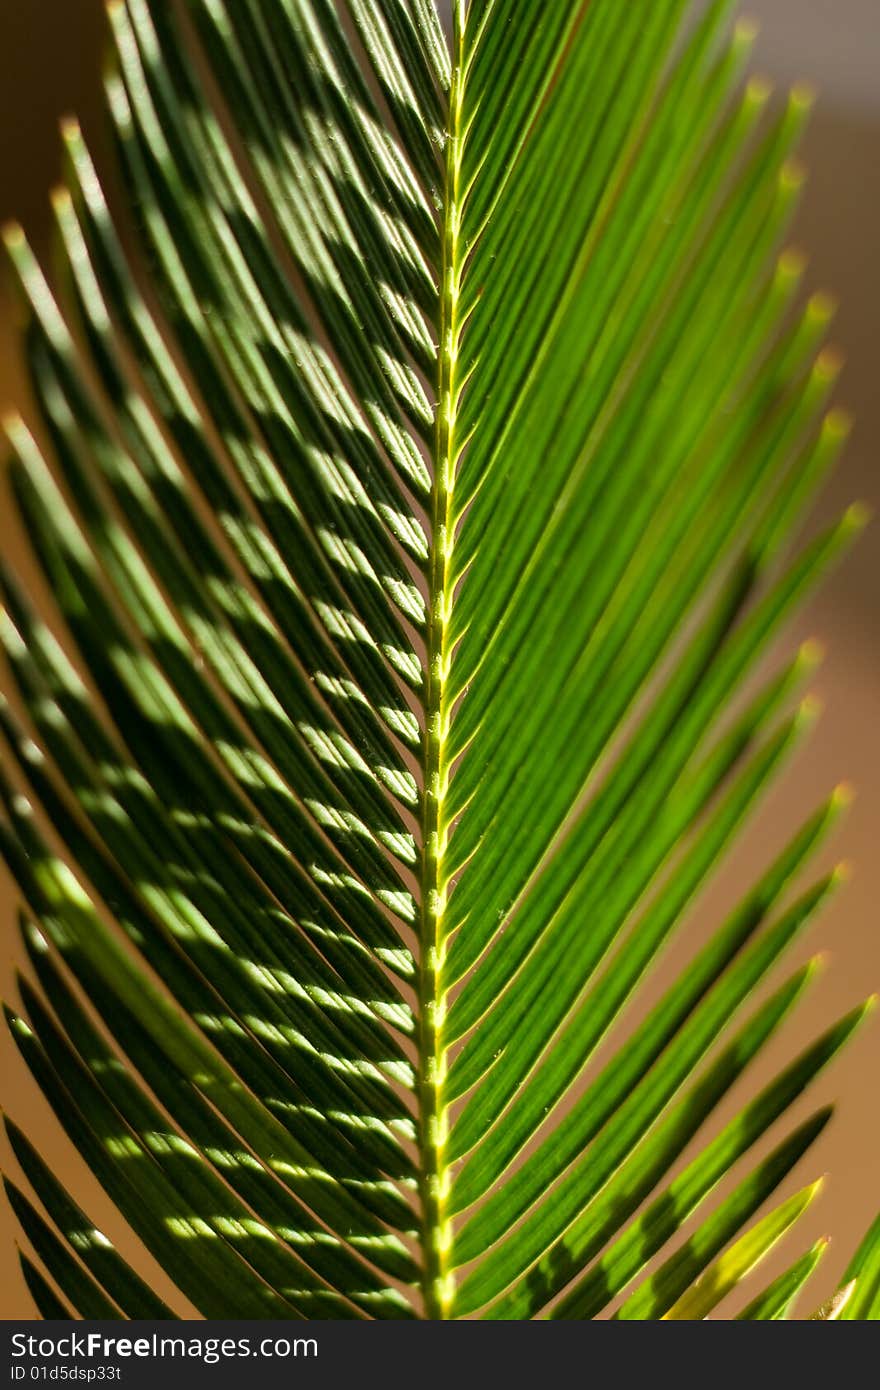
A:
{"points": [[418, 510]]}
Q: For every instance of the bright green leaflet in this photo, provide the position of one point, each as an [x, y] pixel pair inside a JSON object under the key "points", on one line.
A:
{"points": [[422, 439]]}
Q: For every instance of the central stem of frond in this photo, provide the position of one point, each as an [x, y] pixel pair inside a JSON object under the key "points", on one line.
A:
{"points": [[438, 1281]]}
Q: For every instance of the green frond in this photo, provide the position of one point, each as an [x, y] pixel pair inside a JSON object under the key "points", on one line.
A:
{"points": [[417, 456]]}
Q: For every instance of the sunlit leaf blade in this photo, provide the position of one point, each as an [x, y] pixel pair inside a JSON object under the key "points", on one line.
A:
{"points": [[628, 1159], [510, 1064], [834, 1307], [418, 443], [863, 1303], [779, 1298], [657, 1030], [716, 1281], [672, 1207]]}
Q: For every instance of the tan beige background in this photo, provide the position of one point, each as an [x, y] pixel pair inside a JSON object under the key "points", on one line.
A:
{"points": [[49, 64]]}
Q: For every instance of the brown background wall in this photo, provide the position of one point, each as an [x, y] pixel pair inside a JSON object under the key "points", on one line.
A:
{"points": [[49, 64]]}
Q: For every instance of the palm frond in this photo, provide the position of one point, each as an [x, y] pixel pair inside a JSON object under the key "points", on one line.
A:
{"points": [[416, 498]]}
